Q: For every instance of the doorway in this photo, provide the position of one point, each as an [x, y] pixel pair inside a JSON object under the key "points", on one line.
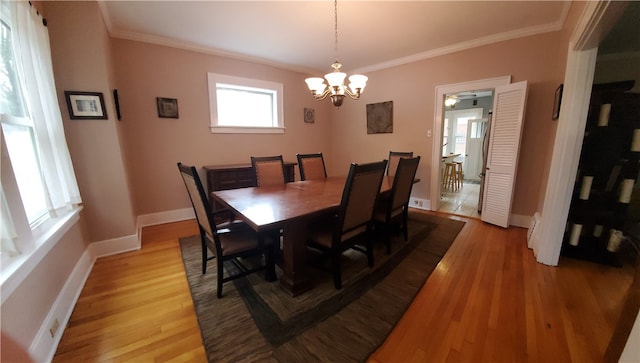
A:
{"points": [[460, 90], [464, 122], [462, 134]]}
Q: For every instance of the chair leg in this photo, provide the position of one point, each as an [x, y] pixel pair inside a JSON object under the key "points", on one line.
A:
{"points": [[204, 254], [388, 238], [220, 264], [337, 270], [270, 270], [369, 246], [405, 230]]}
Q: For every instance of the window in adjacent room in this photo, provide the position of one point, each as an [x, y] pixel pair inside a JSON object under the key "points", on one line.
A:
{"points": [[243, 105]]}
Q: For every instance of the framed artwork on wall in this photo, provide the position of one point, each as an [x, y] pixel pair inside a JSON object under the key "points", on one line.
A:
{"points": [[85, 105], [116, 101], [309, 115], [557, 100], [167, 107], [380, 118]]}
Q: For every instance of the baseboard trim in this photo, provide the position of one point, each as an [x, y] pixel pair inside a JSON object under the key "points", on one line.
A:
{"points": [[518, 220], [116, 245], [44, 345]]}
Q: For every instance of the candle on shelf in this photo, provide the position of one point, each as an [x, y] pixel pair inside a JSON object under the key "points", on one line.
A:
{"points": [[585, 189], [603, 119], [575, 234], [597, 230], [635, 143], [626, 187], [614, 240]]}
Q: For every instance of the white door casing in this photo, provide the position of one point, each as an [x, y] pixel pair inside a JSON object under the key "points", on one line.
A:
{"points": [[504, 146], [436, 155]]}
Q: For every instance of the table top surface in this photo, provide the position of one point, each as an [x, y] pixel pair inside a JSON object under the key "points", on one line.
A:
{"points": [[271, 207]]}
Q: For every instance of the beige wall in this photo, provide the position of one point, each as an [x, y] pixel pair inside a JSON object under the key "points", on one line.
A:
{"points": [[151, 146], [81, 52], [539, 59], [26, 309], [154, 145]]}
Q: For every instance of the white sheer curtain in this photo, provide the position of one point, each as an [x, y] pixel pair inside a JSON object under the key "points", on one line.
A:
{"points": [[33, 59], [7, 229], [32, 54]]}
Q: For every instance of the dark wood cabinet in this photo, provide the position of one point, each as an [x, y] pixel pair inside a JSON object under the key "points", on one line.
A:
{"points": [[223, 177], [605, 205]]}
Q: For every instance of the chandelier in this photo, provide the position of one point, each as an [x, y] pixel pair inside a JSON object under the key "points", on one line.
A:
{"points": [[335, 87], [451, 101]]}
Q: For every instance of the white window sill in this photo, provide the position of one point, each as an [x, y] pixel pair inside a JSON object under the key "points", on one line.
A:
{"points": [[14, 270], [246, 130]]}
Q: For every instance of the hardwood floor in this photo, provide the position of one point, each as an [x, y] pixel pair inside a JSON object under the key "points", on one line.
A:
{"points": [[488, 300], [136, 306]]}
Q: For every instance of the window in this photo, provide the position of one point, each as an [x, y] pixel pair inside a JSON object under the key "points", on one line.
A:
{"points": [[18, 134], [243, 105], [39, 194], [20, 141], [456, 129]]}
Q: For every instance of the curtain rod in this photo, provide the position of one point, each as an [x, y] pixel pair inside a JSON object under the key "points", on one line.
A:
{"points": [[44, 20]]}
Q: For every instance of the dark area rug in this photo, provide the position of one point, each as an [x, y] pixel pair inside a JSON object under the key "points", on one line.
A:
{"points": [[258, 321]]}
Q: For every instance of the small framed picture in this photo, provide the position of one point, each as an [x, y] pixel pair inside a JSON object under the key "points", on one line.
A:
{"points": [[167, 107], [116, 101], [309, 115], [557, 100], [85, 105]]}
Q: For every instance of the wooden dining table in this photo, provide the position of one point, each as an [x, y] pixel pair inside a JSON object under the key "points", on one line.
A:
{"points": [[289, 207]]}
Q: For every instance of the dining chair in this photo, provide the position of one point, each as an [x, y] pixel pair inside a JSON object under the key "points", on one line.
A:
{"points": [[226, 241], [268, 170], [311, 166], [394, 156], [351, 226], [395, 208]]}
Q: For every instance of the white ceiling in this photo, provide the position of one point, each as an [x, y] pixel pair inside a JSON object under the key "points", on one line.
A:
{"points": [[299, 35]]}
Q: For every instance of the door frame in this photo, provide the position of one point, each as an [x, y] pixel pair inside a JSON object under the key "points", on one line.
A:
{"points": [[441, 92], [596, 20]]}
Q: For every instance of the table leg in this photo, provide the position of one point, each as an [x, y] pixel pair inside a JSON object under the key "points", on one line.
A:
{"points": [[294, 259]]}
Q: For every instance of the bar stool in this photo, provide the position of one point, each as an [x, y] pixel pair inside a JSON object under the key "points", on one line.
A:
{"points": [[450, 176], [459, 174]]}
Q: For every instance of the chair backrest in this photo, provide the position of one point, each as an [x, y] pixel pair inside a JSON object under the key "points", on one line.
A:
{"points": [[394, 157], [311, 166], [199, 199], [359, 197], [268, 170], [403, 182]]}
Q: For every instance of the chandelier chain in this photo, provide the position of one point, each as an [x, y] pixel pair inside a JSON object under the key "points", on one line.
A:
{"points": [[335, 22]]}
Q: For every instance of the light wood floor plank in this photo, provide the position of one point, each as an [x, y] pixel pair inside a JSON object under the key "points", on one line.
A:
{"points": [[487, 300]]}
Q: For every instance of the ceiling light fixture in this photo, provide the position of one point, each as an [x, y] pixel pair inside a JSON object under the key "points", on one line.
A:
{"points": [[335, 80], [451, 101]]}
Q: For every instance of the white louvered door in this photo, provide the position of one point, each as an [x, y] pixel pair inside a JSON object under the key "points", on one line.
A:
{"points": [[504, 146]]}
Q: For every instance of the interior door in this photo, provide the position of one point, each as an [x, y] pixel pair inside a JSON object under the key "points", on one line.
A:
{"points": [[473, 160], [504, 146]]}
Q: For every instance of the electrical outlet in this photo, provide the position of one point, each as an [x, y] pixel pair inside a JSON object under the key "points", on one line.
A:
{"points": [[420, 203], [415, 202], [54, 327]]}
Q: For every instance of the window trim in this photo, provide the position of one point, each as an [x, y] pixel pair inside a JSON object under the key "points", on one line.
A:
{"points": [[278, 88]]}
